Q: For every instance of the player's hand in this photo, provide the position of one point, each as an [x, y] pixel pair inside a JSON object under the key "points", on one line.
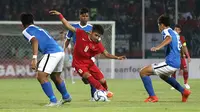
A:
{"points": [[154, 49], [121, 57], [189, 59], [54, 12], [34, 64]]}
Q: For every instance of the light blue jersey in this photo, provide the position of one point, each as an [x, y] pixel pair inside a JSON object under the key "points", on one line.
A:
{"points": [[172, 50], [71, 35], [46, 44]]}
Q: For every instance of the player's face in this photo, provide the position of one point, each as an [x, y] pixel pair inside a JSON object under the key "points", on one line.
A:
{"points": [[178, 30], [96, 37], [84, 17], [160, 27]]}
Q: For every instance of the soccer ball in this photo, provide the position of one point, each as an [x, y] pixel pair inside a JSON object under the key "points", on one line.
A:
{"points": [[100, 96]]}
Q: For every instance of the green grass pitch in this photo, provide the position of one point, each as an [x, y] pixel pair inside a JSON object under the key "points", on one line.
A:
{"points": [[26, 95]]}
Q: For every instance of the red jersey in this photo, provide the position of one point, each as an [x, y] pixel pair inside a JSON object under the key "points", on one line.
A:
{"points": [[182, 39], [85, 48]]}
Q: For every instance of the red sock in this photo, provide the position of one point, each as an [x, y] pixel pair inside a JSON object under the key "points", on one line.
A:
{"points": [[185, 77], [174, 75], [95, 83], [105, 85]]}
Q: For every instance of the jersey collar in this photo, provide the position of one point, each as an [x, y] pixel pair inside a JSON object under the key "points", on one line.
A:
{"points": [[82, 26]]}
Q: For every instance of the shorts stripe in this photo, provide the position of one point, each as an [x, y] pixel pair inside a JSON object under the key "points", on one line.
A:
{"points": [[46, 62], [160, 66]]}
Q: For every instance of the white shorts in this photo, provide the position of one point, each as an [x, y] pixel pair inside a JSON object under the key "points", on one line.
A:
{"points": [[51, 63], [163, 69]]}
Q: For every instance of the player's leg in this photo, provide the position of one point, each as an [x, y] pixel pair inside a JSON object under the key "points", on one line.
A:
{"points": [[58, 81], [84, 73], [164, 72], [145, 76], [170, 80], [93, 89], [43, 71], [60, 85], [97, 74], [174, 76], [71, 74], [185, 72]]}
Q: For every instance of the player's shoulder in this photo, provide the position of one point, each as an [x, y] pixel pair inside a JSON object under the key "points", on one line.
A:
{"points": [[75, 24], [168, 31], [30, 28]]}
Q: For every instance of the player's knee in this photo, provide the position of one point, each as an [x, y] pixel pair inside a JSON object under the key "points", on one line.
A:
{"points": [[41, 77], [86, 75], [185, 70], [142, 72]]}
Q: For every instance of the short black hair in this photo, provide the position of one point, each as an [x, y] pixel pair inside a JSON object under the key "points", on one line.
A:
{"points": [[164, 19], [178, 26], [98, 28], [26, 19], [83, 10]]}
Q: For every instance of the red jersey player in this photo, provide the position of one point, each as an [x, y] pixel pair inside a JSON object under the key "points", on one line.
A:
{"points": [[88, 45], [184, 54]]}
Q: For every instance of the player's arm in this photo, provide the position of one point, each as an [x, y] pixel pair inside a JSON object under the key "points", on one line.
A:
{"points": [[34, 42], [110, 56], [64, 21], [165, 42], [186, 52]]}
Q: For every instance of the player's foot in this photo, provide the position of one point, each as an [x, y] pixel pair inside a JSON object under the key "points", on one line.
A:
{"points": [[92, 100], [185, 95], [63, 101], [151, 99], [172, 88], [187, 86], [52, 104], [109, 94]]}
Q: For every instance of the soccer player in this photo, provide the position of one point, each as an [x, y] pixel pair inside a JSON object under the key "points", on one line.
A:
{"points": [[84, 17], [68, 57], [50, 64], [184, 54], [172, 46], [88, 44]]}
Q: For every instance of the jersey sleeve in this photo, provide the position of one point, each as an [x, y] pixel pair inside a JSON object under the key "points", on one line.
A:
{"points": [[101, 48], [28, 34], [165, 33], [69, 34]]}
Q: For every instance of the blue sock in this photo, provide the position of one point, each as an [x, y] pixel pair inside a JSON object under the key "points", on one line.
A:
{"points": [[148, 85], [62, 89], [172, 81], [92, 91], [47, 88]]}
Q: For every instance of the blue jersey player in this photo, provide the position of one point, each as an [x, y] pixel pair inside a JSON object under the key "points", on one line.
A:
{"points": [[84, 17], [172, 45], [51, 63]]}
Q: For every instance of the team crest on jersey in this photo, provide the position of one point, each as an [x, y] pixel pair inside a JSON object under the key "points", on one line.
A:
{"points": [[86, 48], [80, 71]]}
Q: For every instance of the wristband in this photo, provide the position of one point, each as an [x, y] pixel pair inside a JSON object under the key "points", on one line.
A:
{"points": [[61, 16], [34, 56]]}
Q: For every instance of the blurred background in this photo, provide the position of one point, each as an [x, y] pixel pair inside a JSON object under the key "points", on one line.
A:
{"points": [[136, 29]]}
